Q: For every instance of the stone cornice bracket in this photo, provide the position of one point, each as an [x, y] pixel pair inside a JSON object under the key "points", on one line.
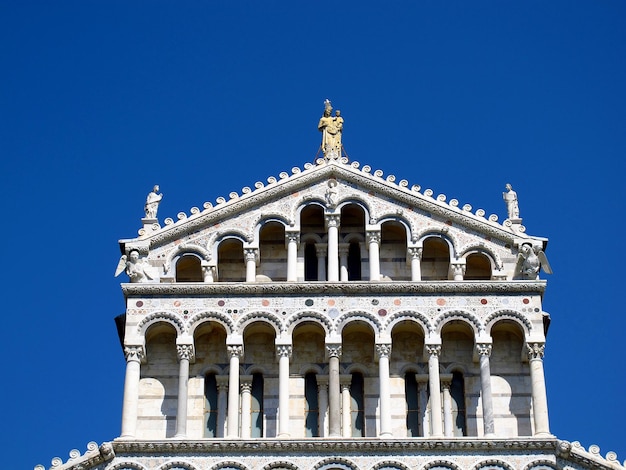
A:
{"points": [[333, 350], [283, 350], [135, 353], [235, 350], [535, 350], [186, 351], [383, 350]]}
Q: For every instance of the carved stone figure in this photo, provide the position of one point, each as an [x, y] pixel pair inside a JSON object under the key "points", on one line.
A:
{"points": [[152, 202], [137, 269], [529, 261], [510, 197], [331, 129], [331, 193]]}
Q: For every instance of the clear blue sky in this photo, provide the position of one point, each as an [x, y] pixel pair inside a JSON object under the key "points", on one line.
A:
{"points": [[101, 100]]}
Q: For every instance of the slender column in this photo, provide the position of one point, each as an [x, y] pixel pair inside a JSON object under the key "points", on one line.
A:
{"points": [[332, 222], [433, 351], [222, 389], [373, 240], [246, 405], [346, 422], [422, 403], [447, 406], [250, 257], [334, 417], [343, 261], [235, 352], [185, 354], [208, 271], [415, 253], [384, 351], [321, 249], [322, 400], [457, 267], [134, 356], [292, 239], [283, 352], [537, 378], [484, 351]]}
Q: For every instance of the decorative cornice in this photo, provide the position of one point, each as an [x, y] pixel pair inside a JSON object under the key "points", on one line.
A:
{"points": [[336, 288]]}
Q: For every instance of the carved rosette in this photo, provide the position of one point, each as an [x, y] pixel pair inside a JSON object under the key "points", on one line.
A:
{"points": [[383, 350], [535, 350], [185, 351], [134, 353], [484, 349]]}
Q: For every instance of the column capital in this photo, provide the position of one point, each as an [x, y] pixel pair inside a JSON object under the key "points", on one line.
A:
{"points": [[292, 236], [321, 249], [222, 382], [344, 248], [251, 254], [373, 236], [484, 349], [246, 383], [383, 350], [415, 252], [322, 380], [333, 350], [135, 353], [284, 350], [535, 350], [185, 351], [446, 380], [235, 350], [332, 220], [433, 349], [345, 380]]}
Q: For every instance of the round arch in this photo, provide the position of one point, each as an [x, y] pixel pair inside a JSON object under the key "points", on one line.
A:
{"points": [[211, 316], [259, 316], [312, 316], [460, 315], [408, 315], [511, 315], [160, 317], [359, 315]]}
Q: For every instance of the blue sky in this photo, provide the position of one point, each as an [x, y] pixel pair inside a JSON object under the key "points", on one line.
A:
{"points": [[99, 101]]}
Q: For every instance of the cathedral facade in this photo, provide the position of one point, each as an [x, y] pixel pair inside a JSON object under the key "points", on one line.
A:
{"points": [[334, 318]]}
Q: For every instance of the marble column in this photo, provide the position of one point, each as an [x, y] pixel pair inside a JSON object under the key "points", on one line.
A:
{"points": [[292, 239], [185, 354], [332, 223], [222, 389], [433, 351], [415, 254], [346, 409], [373, 241], [484, 351], [283, 352], [422, 403], [334, 402], [384, 351], [322, 400], [447, 405], [134, 356], [250, 255], [539, 397], [321, 250], [235, 352], [343, 261], [246, 405]]}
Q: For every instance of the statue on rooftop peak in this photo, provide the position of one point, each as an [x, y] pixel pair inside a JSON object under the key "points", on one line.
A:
{"points": [[510, 198], [331, 128], [152, 202]]}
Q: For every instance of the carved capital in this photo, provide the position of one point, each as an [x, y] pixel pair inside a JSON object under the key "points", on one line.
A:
{"points": [[535, 350], [415, 252], [458, 269], [235, 351], [483, 349], [284, 350], [373, 236], [185, 351], [250, 254], [433, 349], [333, 350], [383, 350], [321, 249], [246, 387], [222, 382], [134, 353], [292, 237], [332, 220]]}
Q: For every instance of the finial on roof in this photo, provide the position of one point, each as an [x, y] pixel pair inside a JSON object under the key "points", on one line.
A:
{"points": [[331, 128]]}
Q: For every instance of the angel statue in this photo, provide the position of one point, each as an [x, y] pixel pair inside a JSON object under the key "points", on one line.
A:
{"points": [[136, 269], [529, 261]]}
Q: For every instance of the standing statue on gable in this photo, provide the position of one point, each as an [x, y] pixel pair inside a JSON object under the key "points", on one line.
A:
{"points": [[136, 268], [152, 202], [510, 198], [529, 261], [331, 129]]}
